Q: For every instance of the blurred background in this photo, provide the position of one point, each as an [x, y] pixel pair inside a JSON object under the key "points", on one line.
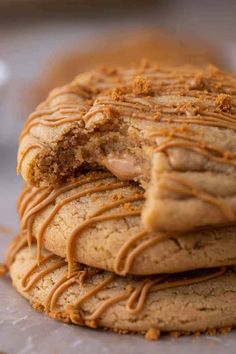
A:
{"points": [[44, 43]]}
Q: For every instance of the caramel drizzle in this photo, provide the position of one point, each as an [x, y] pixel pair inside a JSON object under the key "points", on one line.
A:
{"points": [[79, 90], [59, 288], [24, 193], [199, 147], [71, 241], [124, 253], [135, 297], [24, 153], [76, 196], [45, 196], [140, 294], [29, 198], [128, 257], [40, 116], [84, 93], [187, 188], [129, 251], [26, 286], [127, 109], [62, 109], [18, 244], [50, 122], [137, 108], [46, 115]]}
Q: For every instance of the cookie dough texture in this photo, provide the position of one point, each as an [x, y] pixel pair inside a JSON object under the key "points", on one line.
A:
{"points": [[99, 244], [190, 308], [170, 129]]}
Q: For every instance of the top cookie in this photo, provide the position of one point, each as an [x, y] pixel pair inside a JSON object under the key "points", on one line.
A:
{"points": [[172, 129]]}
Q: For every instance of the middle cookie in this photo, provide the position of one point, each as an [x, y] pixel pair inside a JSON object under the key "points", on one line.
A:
{"points": [[95, 220]]}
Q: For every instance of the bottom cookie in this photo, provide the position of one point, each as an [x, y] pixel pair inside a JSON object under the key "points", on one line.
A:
{"points": [[186, 302]]}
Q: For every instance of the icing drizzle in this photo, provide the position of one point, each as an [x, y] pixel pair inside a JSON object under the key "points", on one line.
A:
{"points": [[30, 204]]}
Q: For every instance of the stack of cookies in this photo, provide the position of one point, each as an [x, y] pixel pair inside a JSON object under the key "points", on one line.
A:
{"points": [[128, 212]]}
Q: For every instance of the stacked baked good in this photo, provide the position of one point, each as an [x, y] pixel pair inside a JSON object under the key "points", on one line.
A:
{"points": [[131, 201]]}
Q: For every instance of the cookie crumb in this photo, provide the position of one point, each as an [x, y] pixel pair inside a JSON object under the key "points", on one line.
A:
{"points": [[118, 94], [91, 323], [197, 82], [211, 332], [3, 270], [175, 334], [142, 86], [223, 103], [153, 334], [120, 331], [225, 330], [197, 334]]}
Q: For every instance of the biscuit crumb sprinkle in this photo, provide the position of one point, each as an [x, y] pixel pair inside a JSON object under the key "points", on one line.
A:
{"points": [[223, 103], [3, 270], [142, 86], [153, 334]]}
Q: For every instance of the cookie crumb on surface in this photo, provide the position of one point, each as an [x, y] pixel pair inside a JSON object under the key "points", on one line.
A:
{"points": [[211, 332], [153, 334], [142, 86], [223, 103], [175, 334], [3, 270], [225, 330]]}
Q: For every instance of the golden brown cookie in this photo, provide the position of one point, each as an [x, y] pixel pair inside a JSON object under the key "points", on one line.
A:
{"points": [[171, 129], [190, 302], [95, 220]]}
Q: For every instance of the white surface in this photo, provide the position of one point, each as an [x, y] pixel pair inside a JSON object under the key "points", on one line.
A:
{"points": [[22, 330]]}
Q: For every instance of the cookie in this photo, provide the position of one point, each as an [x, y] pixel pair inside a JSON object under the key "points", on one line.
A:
{"points": [[95, 220], [170, 129], [188, 302]]}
